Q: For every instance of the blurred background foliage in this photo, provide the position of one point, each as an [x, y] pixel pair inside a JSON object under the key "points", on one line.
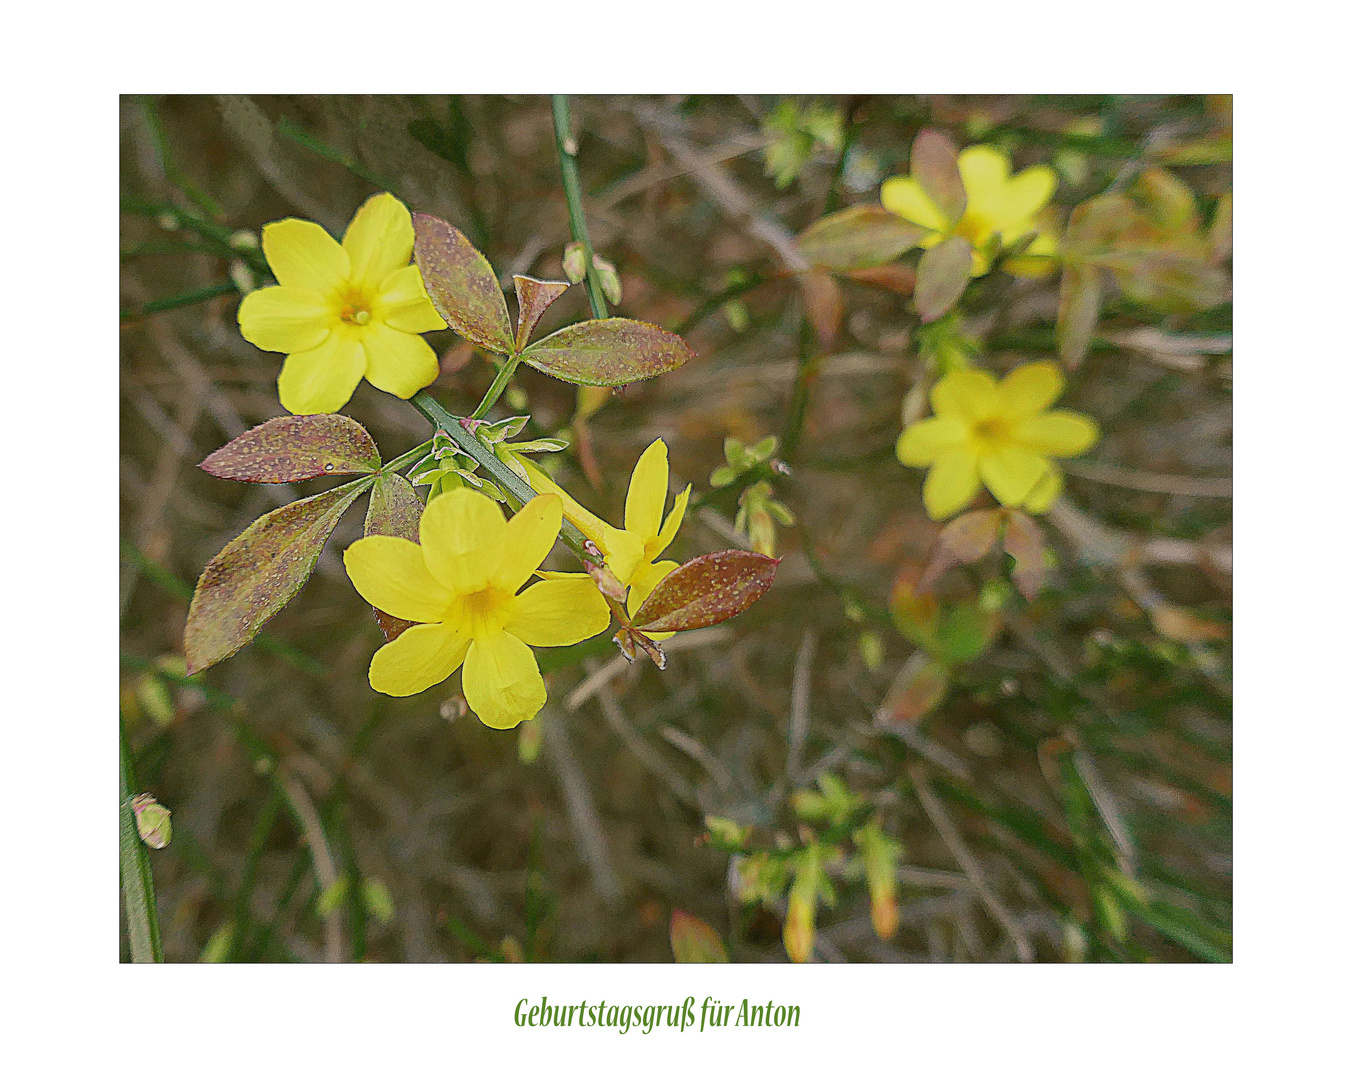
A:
{"points": [[867, 769]]}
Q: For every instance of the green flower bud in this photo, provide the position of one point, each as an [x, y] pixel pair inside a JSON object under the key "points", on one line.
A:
{"points": [[152, 821]]}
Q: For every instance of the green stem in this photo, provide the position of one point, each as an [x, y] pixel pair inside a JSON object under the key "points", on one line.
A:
{"points": [[138, 883], [500, 474], [576, 214], [407, 459], [494, 391]]}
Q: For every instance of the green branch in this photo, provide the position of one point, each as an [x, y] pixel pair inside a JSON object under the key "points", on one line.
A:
{"points": [[576, 213], [501, 475], [138, 883]]}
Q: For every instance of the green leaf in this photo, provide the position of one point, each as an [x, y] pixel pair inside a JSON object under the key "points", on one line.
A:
{"points": [[1168, 281], [291, 448], [258, 572], [1080, 298], [695, 942], [965, 632], [608, 352], [394, 510], [944, 272], [706, 590], [858, 238], [932, 162], [461, 284], [534, 297]]}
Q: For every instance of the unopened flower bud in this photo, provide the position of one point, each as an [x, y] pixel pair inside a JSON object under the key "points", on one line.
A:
{"points": [[610, 284], [244, 240], [799, 931], [152, 821], [574, 262]]}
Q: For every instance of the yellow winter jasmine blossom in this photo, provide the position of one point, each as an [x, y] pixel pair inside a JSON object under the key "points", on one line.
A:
{"points": [[995, 203], [631, 552], [996, 432], [344, 311], [460, 584]]}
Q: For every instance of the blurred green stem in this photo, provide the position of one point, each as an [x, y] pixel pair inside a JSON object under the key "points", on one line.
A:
{"points": [[576, 213], [138, 883]]}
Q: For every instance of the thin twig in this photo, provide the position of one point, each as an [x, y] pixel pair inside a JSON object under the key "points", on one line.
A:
{"points": [[1200, 487], [581, 810], [970, 865], [307, 815], [800, 713]]}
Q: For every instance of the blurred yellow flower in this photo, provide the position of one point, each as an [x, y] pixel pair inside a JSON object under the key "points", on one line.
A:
{"points": [[998, 433], [344, 311], [995, 203], [630, 552], [460, 584]]}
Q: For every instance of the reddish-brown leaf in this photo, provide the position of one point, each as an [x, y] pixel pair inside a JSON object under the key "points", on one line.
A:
{"points": [[1024, 541], [1080, 297], [293, 448], [608, 352], [534, 297], [918, 688], [824, 306], [1169, 281], [394, 510], [461, 284], [705, 591], [932, 162], [858, 238], [258, 572], [944, 272], [897, 277], [695, 942], [965, 539]]}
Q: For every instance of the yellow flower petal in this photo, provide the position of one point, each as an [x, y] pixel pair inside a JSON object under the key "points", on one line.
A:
{"points": [[968, 394], [398, 363], [673, 521], [1046, 491], [1019, 200], [920, 444], [904, 198], [402, 302], [279, 319], [463, 535], [1030, 388], [1010, 473], [390, 573], [645, 580], [501, 679], [321, 380], [529, 538], [591, 526], [1061, 433], [559, 612], [379, 240], [418, 658], [647, 493], [950, 484], [303, 256], [622, 550], [984, 171]]}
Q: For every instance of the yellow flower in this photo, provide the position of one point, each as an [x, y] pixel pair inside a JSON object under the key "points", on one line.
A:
{"points": [[995, 203], [631, 552], [460, 584], [996, 432], [344, 311]]}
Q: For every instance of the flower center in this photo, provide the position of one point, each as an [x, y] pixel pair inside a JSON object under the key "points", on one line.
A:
{"points": [[992, 431], [355, 310], [486, 609]]}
